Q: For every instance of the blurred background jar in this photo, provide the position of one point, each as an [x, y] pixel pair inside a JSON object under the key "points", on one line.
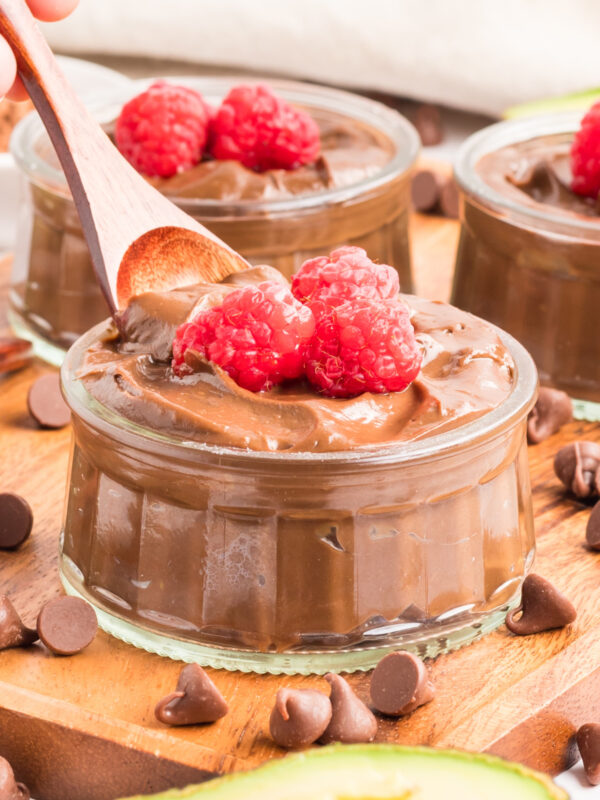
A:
{"points": [[54, 296]]}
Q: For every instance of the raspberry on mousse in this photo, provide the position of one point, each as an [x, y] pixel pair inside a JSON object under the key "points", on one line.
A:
{"points": [[363, 346], [585, 155], [262, 131], [258, 336], [345, 274], [346, 331], [163, 130]]}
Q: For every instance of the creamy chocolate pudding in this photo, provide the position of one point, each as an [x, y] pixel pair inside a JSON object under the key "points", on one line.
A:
{"points": [[350, 153], [466, 372], [529, 248], [284, 530], [357, 192], [536, 173]]}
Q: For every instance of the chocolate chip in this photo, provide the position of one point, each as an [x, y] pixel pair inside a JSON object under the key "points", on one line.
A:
{"points": [[14, 354], [588, 742], [552, 410], [10, 789], [543, 607], [46, 404], [576, 465], [592, 531], [428, 122], [351, 720], [425, 190], [195, 700], [12, 631], [299, 717], [400, 683], [449, 199], [66, 625], [16, 520]]}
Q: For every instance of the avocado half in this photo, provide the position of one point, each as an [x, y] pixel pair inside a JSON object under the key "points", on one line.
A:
{"points": [[378, 772]]}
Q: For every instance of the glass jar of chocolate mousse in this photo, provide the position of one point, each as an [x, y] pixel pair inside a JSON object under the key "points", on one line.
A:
{"points": [[356, 193], [529, 250], [289, 532]]}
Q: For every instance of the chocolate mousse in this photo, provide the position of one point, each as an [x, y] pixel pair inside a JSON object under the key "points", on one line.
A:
{"points": [[350, 152], [537, 172], [528, 250], [285, 521], [466, 372]]}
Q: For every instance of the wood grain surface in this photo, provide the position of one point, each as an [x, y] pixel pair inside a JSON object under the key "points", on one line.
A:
{"points": [[83, 727]]}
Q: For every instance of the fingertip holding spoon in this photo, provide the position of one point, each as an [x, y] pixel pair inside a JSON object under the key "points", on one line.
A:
{"points": [[138, 239]]}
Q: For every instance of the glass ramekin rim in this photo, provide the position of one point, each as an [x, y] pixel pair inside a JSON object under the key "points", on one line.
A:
{"points": [[41, 173], [505, 133], [513, 408]]}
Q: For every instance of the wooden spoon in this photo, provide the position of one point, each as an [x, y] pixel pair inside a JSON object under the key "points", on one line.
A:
{"points": [[138, 240]]}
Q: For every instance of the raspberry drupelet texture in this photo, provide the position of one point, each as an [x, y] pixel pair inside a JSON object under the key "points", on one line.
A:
{"points": [[345, 274], [258, 336], [363, 346], [163, 130], [262, 131], [585, 155]]}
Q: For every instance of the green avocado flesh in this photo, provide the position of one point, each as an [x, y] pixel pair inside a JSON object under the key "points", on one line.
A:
{"points": [[377, 772]]}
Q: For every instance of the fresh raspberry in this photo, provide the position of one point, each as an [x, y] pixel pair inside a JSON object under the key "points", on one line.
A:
{"points": [[346, 274], [163, 130], [258, 336], [261, 130], [585, 155], [363, 346]]}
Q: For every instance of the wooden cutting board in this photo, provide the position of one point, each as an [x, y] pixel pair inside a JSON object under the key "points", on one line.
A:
{"points": [[83, 728]]}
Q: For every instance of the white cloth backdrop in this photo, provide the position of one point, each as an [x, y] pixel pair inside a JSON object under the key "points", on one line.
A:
{"points": [[481, 55]]}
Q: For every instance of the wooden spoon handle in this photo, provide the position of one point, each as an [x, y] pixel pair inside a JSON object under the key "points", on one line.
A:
{"points": [[131, 229], [66, 119]]}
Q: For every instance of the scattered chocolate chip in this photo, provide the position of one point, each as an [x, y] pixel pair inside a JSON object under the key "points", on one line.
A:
{"points": [[449, 199], [592, 531], [299, 717], [428, 122], [552, 410], [576, 465], [400, 683], [434, 192], [351, 720], [425, 190], [12, 631], [16, 520], [543, 607], [588, 742], [14, 354], [46, 404], [195, 700], [10, 789], [66, 625]]}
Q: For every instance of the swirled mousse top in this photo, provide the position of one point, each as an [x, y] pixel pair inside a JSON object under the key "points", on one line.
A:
{"points": [[466, 373], [536, 173], [351, 151]]}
